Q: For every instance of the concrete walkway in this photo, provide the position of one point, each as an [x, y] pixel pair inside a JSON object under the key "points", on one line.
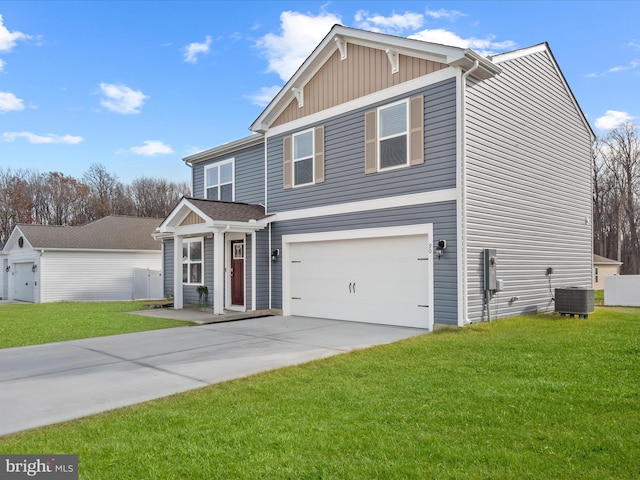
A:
{"points": [[51, 383]]}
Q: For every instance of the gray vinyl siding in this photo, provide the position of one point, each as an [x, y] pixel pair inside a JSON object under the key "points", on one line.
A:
{"points": [[167, 266], [528, 187], [345, 180], [443, 217], [249, 175], [263, 261]]}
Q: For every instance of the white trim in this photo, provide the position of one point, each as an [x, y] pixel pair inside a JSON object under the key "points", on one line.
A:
{"points": [[379, 96], [217, 165], [460, 204], [189, 262], [381, 232], [253, 270], [523, 52], [436, 196]]}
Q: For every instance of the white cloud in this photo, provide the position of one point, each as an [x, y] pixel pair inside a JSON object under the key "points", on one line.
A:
{"points": [[299, 35], [486, 46], [611, 119], [121, 99], [263, 96], [395, 24], [620, 68], [9, 102], [194, 49], [9, 39], [39, 139], [2, 64], [442, 13], [151, 148]]}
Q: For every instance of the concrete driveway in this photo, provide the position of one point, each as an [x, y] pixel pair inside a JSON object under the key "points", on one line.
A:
{"points": [[51, 383]]}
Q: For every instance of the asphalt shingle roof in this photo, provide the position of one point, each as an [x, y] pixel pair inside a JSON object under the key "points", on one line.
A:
{"points": [[109, 233], [231, 211]]}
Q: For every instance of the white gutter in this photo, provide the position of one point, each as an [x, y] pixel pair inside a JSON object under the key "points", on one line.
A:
{"points": [[463, 197]]}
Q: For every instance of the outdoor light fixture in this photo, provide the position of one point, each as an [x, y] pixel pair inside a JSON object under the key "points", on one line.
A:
{"points": [[442, 244], [34, 269], [7, 269], [275, 254]]}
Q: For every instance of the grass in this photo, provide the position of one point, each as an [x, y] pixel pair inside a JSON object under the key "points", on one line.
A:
{"points": [[598, 297], [32, 324], [530, 397]]}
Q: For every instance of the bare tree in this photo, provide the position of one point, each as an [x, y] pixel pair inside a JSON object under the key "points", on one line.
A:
{"points": [[15, 201], [616, 172], [155, 197]]}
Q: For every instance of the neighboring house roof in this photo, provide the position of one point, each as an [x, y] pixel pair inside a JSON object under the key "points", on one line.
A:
{"points": [[229, 211], [597, 259], [109, 233]]}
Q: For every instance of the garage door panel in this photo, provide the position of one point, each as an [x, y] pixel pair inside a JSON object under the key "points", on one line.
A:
{"points": [[377, 280]]}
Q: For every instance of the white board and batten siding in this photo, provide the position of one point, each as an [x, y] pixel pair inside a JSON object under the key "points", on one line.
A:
{"points": [[92, 275], [528, 185]]}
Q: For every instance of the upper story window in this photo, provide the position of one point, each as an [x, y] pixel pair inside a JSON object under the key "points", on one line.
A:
{"points": [[219, 181], [192, 256], [303, 158], [394, 135], [393, 130]]}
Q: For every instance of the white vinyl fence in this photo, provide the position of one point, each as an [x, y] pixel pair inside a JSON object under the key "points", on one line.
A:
{"points": [[147, 284], [622, 290]]}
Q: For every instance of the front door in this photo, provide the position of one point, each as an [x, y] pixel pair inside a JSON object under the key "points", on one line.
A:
{"points": [[237, 272]]}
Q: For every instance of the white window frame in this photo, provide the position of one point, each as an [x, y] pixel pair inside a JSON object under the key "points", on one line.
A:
{"points": [[294, 159], [217, 165], [380, 138], [187, 261]]}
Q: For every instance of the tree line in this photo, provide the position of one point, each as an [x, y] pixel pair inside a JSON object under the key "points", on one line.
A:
{"points": [[616, 196], [52, 198]]}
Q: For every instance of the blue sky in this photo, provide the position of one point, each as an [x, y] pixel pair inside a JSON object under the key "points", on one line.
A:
{"points": [[138, 85]]}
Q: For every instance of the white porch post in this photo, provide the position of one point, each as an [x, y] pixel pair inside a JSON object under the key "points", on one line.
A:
{"points": [[177, 273], [253, 270], [218, 273]]}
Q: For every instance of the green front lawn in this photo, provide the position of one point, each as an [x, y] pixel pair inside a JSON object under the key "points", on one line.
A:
{"points": [[525, 398], [31, 324]]}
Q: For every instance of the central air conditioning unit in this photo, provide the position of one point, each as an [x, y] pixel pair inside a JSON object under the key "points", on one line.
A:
{"points": [[575, 301]]}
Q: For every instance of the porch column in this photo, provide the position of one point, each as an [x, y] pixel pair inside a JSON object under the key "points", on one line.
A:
{"points": [[177, 273], [253, 270], [218, 273]]}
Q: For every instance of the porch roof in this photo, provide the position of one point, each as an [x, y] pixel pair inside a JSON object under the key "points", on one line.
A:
{"points": [[211, 215]]}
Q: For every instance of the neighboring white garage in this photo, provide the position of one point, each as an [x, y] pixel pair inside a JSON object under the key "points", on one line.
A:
{"points": [[379, 275], [45, 263]]}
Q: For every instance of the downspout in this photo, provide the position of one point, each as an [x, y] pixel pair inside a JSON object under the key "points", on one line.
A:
{"points": [[463, 189]]}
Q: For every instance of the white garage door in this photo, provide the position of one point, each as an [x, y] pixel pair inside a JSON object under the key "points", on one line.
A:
{"points": [[23, 282], [376, 280]]}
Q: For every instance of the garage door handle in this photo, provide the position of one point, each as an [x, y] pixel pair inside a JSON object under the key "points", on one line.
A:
{"points": [[354, 287], [349, 287]]}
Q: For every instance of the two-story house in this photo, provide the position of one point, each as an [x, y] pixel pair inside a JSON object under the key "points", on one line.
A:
{"points": [[394, 181]]}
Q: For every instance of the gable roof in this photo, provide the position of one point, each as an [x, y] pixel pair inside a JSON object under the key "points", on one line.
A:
{"points": [[337, 39], [604, 260], [544, 47], [229, 211], [109, 233]]}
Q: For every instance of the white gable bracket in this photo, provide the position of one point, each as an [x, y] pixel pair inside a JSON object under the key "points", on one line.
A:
{"points": [[393, 60], [299, 93], [342, 46]]}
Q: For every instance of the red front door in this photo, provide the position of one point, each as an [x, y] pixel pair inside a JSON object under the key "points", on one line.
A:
{"points": [[237, 272]]}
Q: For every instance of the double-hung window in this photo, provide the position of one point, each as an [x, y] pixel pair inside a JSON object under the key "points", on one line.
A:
{"points": [[392, 135], [303, 158], [219, 181], [192, 257]]}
